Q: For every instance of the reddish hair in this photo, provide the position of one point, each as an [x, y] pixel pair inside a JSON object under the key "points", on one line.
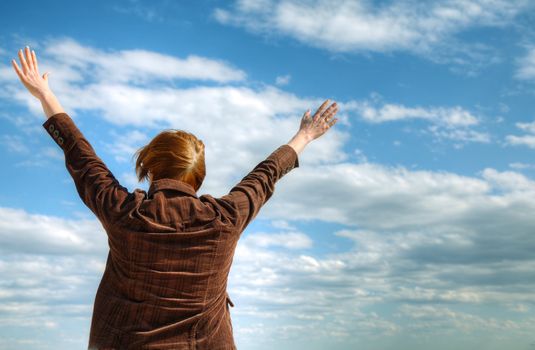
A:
{"points": [[174, 154]]}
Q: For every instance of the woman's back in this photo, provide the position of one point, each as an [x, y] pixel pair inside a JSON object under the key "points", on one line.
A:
{"points": [[165, 282]]}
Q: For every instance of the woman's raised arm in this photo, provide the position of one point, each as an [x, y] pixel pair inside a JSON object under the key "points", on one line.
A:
{"points": [[246, 198], [97, 186]]}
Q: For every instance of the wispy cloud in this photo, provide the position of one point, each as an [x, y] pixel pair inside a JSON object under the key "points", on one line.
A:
{"points": [[22, 232], [78, 62], [14, 143], [430, 241], [137, 8], [361, 26], [450, 117], [451, 123], [289, 240], [521, 166], [283, 79], [526, 66], [524, 140], [125, 144]]}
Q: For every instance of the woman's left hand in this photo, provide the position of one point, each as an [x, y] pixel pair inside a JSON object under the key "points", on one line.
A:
{"points": [[29, 74]]}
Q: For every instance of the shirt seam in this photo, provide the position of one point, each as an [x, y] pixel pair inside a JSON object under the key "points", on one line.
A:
{"points": [[194, 328]]}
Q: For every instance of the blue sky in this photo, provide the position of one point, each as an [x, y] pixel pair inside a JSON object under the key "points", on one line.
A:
{"points": [[409, 225]]}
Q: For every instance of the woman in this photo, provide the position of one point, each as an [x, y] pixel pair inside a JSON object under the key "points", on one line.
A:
{"points": [[164, 286]]}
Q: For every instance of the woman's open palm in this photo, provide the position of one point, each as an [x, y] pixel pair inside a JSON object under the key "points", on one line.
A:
{"points": [[29, 73], [315, 126]]}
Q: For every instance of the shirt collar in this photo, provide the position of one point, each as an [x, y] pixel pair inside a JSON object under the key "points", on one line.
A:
{"points": [[171, 184]]}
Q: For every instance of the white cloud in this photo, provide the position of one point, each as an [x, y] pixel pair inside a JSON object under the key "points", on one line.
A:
{"points": [[420, 227], [509, 180], [133, 7], [282, 224], [519, 308], [432, 239], [452, 123], [50, 270], [524, 140], [283, 79], [40, 234], [134, 66], [448, 320], [526, 66], [7, 73], [126, 143], [14, 143], [461, 135], [25, 147], [521, 166], [289, 240], [388, 197], [353, 26], [527, 140], [528, 127], [454, 116]]}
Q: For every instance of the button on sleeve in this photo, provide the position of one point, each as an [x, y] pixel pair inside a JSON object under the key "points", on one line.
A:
{"points": [[96, 185], [60, 127]]}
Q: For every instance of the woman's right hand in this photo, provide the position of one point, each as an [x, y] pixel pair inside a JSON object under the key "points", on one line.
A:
{"points": [[29, 74], [317, 125]]}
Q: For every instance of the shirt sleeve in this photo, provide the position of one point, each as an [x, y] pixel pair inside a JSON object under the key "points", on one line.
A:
{"points": [[245, 199], [98, 188]]}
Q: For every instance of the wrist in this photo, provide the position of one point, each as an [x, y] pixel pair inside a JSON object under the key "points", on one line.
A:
{"points": [[50, 103], [303, 137], [299, 142], [45, 95]]}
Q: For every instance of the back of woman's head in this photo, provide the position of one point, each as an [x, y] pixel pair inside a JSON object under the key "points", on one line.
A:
{"points": [[172, 154]]}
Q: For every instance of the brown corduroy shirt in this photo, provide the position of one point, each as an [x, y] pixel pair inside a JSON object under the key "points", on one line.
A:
{"points": [[170, 251]]}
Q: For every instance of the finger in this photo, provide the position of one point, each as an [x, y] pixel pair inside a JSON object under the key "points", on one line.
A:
{"points": [[329, 112], [17, 69], [306, 114], [332, 122], [328, 115], [35, 62], [320, 110], [29, 58], [23, 62]]}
